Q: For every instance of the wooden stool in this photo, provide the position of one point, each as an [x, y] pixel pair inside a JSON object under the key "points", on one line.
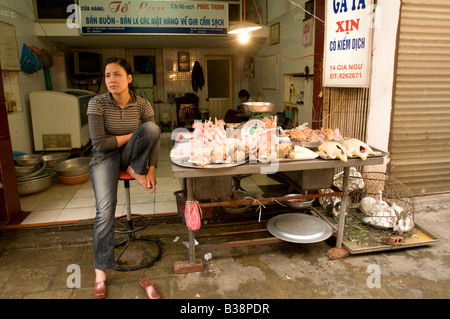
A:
{"points": [[129, 224]]}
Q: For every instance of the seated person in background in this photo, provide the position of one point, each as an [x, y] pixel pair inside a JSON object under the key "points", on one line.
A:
{"points": [[244, 96], [238, 116]]}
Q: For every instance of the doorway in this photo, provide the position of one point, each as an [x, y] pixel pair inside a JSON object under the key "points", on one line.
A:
{"points": [[219, 85]]}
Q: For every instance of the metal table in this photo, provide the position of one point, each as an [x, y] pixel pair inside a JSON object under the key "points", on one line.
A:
{"points": [[278, 166]]}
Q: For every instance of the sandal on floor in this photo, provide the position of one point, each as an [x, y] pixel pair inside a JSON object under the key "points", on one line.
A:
{"points": [[150, 289]]}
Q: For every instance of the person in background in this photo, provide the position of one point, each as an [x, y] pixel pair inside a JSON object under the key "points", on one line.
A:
{"points": [[243, 96], [124, 137], [238, 115]]}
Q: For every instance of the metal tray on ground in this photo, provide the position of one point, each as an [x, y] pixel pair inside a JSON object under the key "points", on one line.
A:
{"points": [[418, 237], [299, 228]]}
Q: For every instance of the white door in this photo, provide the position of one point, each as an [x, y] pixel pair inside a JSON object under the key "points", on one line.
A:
{"points": [[219, 85]]}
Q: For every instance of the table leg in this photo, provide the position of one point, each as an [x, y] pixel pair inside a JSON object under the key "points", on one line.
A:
{"points": [[191, 246], [343, 208], [190, 198], [192, 264], [339, 251]]}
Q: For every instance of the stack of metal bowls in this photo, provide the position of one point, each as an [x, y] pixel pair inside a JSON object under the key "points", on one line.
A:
{"points": [[73, 171], [52, 159], [32, 174]]}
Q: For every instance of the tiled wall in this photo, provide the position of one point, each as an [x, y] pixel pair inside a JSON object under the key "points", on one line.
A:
{"points": [[292, 57], [20, 122]]}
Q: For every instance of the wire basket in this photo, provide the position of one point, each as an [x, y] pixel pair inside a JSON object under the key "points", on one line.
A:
{"points": [[385, 202], [376, 199]]}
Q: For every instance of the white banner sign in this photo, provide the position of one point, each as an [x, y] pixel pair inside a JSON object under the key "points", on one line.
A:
{"points": [[347, 48], [153, 17]]}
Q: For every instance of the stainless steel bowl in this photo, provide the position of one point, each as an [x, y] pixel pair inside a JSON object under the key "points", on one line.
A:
{"points": [[37, 184], [73, 167], [22, 171], [259, 106], [239, 209], [55, 158], [298, 203], [38, 169], [39, 174], [28, 160]]}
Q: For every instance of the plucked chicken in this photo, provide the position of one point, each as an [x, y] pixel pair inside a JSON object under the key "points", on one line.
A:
{"points": [[358, 148], [332, 150]]}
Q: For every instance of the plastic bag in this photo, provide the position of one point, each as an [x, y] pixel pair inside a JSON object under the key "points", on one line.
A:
{"points": [[29, 61], [192, 215]]}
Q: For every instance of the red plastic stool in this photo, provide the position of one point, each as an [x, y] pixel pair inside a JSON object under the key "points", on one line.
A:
{"points": [[129, 224]]}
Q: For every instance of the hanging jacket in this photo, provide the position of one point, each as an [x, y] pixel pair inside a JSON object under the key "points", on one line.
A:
{"points": [[198, 81]]}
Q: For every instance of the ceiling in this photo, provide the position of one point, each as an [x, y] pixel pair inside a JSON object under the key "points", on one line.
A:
{"points": [[145, 41]]}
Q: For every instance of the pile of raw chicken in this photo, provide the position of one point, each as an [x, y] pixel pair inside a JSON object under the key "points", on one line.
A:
{"points": [[209, 144], [305, 134], [329, 147]]}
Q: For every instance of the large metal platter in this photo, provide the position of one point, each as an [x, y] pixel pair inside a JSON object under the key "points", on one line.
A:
{"points": [[299, 228], [192, 165], [259, 107], [315, 145]]}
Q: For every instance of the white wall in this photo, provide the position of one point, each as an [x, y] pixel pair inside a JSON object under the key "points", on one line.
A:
{"points": [[382, 77], [292, 56]]}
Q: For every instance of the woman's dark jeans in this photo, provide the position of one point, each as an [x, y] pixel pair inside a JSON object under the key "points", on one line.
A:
{"points": [[105, 169]]}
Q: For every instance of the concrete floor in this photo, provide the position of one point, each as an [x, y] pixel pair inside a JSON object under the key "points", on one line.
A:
{"points": [[35, 263]]}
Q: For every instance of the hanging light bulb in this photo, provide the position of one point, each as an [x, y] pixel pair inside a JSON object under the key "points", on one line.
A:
{"points": [[243, 28], [243, 36]]}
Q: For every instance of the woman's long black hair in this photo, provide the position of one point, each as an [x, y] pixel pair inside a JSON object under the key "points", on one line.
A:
{"points": [[124, 64]]}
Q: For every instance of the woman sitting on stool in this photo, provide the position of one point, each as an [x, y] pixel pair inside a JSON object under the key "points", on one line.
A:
{"points": [[124, 137]]}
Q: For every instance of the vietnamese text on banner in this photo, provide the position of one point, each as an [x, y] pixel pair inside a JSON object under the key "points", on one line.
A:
{"points": [[153, 17]]}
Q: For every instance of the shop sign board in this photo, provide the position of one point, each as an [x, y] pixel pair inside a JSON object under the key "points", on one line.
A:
{"points": [[153, 17], [347, 47]]}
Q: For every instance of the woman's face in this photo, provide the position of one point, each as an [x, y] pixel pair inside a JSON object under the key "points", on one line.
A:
{"points": [[116, 78]]}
